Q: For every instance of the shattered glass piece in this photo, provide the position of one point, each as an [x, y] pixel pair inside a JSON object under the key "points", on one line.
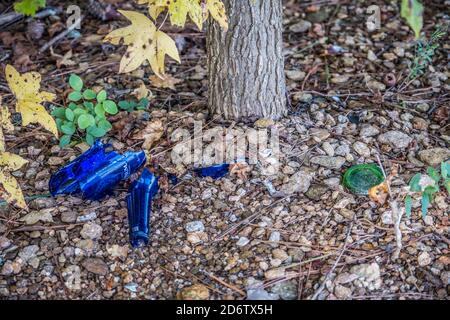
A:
{"points": [[360, 178], [216, 172], [139, 203], [96, 172]]}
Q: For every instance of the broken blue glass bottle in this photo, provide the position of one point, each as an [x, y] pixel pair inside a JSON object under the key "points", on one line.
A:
{"points": [[96, 172], [139, 203], [216, 172]]}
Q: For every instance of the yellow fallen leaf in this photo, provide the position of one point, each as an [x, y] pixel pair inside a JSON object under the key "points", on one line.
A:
{"points": [[144, 42], [380, 193], [26, 89], [5, 123], [141, 92], [216, 9], [11, 162], [178, 10]]}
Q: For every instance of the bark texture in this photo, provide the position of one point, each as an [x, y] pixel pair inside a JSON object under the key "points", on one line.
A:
{"points": [[246, 63]]}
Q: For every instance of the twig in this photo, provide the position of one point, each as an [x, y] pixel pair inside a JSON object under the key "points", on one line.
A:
{"points": [[61, 35], [344, 247], [230, 286]]}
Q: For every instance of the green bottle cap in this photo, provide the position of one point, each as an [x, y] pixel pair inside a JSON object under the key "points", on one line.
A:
{"points": [[360, 178]]}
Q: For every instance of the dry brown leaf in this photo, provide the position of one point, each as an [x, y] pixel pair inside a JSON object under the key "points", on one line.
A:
{"points": [[141, 92], [380, 193], [65, 60], [151, 134], [240, 170], [167, 82]]}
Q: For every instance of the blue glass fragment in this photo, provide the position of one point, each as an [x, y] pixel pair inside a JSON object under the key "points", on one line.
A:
{"points": [[216, 172], [172, 178], [139, 203], [96, 172]]}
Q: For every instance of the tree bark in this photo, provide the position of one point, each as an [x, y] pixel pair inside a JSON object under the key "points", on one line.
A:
{"points": [[246, 63]]}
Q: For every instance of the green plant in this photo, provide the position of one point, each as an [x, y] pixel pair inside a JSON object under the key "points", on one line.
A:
{"points": [[427, 186], [130, 105], [425, 51], [412, 12], [85, 116], [29, 7]]}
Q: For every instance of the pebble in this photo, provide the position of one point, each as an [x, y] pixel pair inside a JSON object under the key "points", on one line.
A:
{"points": [[28, 252], [362, 149], [298, 183], [342, 150], [342, 292], [301, 26], [195, 226], [424, 259], [328, 148], [316, 191], [328, 162], [68, 216], [96, 265], [91, 231], [368, 131], [434, 156], [396, 139], [368, 275], [274, 273], [295, 75], [243, 241], [195, 292], [286, 290]]}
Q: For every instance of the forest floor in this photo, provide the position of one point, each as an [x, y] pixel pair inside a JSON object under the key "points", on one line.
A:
{"points": [[295, 235]]}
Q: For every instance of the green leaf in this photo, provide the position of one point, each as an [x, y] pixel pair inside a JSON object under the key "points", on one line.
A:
{"points": [[105, 125], [65, 140], [101, 96], [75, 82], [59, 123], [29, 7], [79, 111], [75, 96], [69, 114], [143, 103], [414, 183], [447, 185], [124, 105], [110, 107], [89, 94], [432, 172], [408, 205], [89, 105], [96, 131], [412, 11], [85, 120], [445, 169], [59, 113], [99, 111], [90, 139], [72, 106], [425, 204], [68, 128]]}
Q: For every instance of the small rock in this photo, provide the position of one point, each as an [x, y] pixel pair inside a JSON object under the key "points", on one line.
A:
{"points": [[328, 162], [434, 156], [319, 134], [342, 292], [195, 292], [376, 85], [69, 216], [295, 75], [96, 265], [55, 161], [362, 149], [87, 217], [197, 237], [328, 148], [243, 241], [342, 150], [424, 259], [316, 191], [28, 252], [275, 273], [287, 290], [369, 131], [91, 231], [301, 26], [298, 182], [396, 139], [195, 226], [280, 254], [264, 123], [116, 251], [368, 275]]}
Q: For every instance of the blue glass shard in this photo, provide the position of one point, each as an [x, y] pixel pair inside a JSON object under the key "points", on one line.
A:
{"points": [[139, 203], [172, 178], [216, 172], [96, 172]]}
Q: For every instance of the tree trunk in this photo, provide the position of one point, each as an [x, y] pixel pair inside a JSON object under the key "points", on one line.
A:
{"points": [[246, 63]]}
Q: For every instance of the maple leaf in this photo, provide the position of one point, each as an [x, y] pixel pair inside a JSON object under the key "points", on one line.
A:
{"points": [[26, 89], [216, 9], [144, 42], [11, 162], [29, 7], [178, 10], [5, 123]]}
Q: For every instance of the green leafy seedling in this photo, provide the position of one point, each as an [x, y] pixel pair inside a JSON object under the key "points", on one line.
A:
{"points": [[85, 116]]}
